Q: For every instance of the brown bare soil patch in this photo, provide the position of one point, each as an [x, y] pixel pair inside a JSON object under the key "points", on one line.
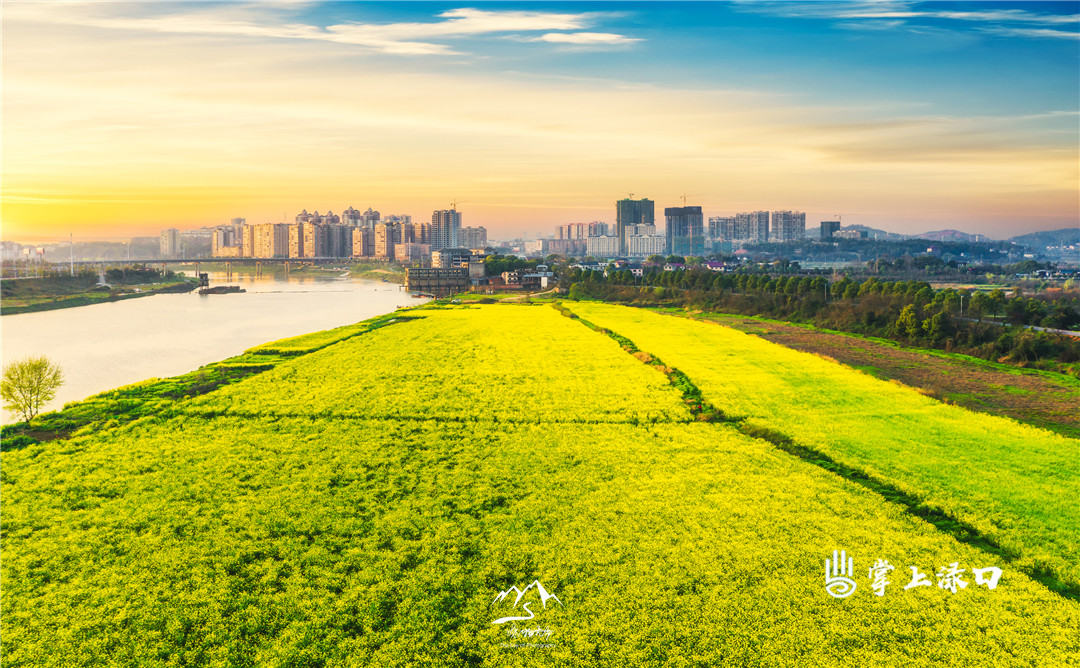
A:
{"points": [[1043, 399]]}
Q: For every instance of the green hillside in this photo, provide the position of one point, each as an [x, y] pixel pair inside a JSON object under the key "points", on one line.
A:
{"points": [[365, 504]]}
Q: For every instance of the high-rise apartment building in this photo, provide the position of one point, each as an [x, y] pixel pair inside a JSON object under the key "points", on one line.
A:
{"points": [[717, 225], [386, 237], [632, 212], [225, 241], [170, 243], [369, 218], [363, 242], [339, 240], [445, 226], [685, 231], [597, 229], [247, 241], [329, 218], [236, 225], [224, 236], [314, 240], [270, 240], [351, 217], [788, 226], [829, 228], [571, 231], [296, 240], [472, 237], [751, 227]]}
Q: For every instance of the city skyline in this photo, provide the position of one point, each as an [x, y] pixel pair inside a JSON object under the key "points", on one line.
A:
{"points": [[124, 119]]}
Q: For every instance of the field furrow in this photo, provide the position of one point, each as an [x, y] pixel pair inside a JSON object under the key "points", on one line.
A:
{"points": [[245, 542], [273, 522], [1014, 483]]}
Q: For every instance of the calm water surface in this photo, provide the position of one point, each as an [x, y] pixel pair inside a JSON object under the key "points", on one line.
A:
{"points": [[108, 345]]}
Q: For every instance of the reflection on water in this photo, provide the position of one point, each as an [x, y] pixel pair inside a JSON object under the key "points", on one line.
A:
{"points": [[103, 346]]}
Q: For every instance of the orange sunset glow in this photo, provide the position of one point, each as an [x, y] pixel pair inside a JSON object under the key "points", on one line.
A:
{"points": [[119, 121]]}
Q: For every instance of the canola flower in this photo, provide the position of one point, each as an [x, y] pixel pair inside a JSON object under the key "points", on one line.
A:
{"points": [[316, 528], [1015, 483]]}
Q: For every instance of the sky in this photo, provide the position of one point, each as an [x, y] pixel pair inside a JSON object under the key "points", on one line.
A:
{"points": [[120, 119]]}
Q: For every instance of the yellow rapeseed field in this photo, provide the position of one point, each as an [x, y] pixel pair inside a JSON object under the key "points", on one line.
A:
{"points": [[1015, 483], [366, 505]]}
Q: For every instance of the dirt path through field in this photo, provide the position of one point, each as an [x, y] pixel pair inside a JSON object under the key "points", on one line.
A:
{"points": [[1046, 400]]}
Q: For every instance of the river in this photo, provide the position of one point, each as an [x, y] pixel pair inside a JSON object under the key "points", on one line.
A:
{"points": [[103, 346]]}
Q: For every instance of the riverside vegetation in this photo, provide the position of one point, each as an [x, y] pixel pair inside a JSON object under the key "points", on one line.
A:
{"points": [[61, 290], [1041, 398], [360, 497], [989, 325]]}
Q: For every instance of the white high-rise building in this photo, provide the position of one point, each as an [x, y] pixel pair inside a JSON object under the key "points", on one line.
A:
{"points": [[170, 243], [788, 226], [445, 225]]}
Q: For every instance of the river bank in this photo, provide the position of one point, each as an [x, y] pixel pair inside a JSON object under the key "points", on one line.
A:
{"points": [[373, 271], [94, 295], [109, 345]]}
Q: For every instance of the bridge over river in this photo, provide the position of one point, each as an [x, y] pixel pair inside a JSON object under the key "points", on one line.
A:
{"points": [[225, 264]]}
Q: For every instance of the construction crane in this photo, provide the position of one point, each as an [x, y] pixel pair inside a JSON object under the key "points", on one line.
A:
{"points": [[684, 196]]}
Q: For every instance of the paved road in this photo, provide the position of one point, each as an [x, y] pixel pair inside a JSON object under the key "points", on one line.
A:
{"points": [[1066, 332]]}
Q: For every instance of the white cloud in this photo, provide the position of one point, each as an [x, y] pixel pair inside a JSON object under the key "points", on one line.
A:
{"points": [[257, 21], [886, 15], [476, 20], [585, 38], [1033, 32], [1004, 16], [870, 25]]}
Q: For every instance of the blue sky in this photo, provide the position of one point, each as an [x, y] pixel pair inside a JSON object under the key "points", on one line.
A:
{"points": [[956, 55], [903, 115]]}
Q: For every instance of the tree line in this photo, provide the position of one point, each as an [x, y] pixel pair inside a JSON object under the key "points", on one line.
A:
{"points": [[990, 325]]}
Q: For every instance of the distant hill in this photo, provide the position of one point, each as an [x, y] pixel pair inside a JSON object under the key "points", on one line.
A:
{"points": [[874, 233], [1063, 237], [814, 233], [950, 235]]}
